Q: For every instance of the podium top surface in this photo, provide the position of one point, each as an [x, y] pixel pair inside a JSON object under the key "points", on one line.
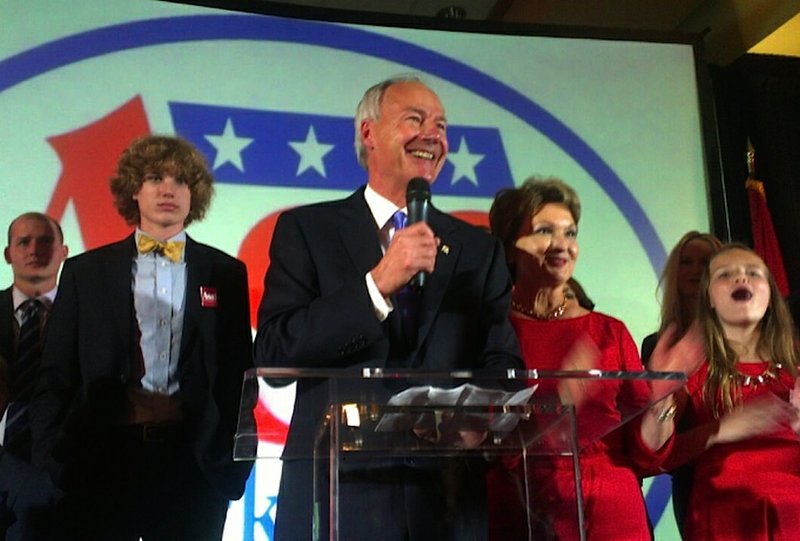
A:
{"points": [[482, 374], [385, 412]]}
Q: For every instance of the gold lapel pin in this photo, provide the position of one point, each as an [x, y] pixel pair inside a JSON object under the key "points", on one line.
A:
{"points": [[445, 249]]}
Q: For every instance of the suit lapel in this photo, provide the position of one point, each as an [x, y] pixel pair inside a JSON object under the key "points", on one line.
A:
{"points": [[197, 274], [438, 282], [7, 325], [364, 249], [119, 272]]}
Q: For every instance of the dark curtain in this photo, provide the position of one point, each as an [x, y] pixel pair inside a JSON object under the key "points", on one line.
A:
{"points": [[758, 97]]}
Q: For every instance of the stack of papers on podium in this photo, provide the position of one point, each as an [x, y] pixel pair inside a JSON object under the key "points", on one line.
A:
{"points": [[469, 403]]}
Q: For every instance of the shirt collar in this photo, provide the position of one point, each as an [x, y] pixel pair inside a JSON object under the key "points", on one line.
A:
{"points": [[381, 208], [19, 297]]}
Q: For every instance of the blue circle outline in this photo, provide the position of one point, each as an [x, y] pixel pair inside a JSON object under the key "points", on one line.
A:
{"points": [[100, 41]]}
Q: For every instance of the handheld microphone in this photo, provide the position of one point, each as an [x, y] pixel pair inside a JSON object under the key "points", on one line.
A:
{"points": [[418, 202]]}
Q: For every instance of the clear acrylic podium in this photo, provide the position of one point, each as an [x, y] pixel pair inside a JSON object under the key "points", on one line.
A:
{"points": [[370, 416]]}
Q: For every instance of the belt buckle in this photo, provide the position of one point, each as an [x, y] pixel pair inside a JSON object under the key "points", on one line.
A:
{"points": [[152, 433]]}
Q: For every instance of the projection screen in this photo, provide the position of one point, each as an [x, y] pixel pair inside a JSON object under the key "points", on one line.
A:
{"points": [[270, 101]]}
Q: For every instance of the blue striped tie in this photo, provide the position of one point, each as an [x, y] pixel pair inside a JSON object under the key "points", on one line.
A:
{"points": [[398, 220], [407, 299]]}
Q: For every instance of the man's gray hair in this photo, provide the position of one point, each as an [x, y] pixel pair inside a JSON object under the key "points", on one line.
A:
{"points": [[370, 108]]}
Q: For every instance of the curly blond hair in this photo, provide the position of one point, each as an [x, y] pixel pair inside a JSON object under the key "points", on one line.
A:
{"points": [[161, 154]]}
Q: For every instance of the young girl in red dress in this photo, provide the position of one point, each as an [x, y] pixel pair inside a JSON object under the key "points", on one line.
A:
{"points": [[742, 405]]}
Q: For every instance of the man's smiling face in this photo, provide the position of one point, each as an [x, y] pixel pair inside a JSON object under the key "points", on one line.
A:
{"points": [[408, 139]]}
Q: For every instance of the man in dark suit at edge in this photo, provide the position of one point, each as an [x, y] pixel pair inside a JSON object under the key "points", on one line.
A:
{"points": [[329, 302], [35, 252], [137, 401]]}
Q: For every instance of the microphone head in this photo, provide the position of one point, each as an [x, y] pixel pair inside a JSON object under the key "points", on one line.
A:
{"points": [[418, 189]]}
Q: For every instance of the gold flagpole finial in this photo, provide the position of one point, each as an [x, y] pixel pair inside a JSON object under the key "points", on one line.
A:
{"points": [[751, 160]]}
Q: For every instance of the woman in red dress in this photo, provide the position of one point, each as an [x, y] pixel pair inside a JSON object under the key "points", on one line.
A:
{"points": [[743, 440], [538, 223]]}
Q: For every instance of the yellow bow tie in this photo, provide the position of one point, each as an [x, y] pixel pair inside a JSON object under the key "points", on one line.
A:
{"points": [[172, 249]]}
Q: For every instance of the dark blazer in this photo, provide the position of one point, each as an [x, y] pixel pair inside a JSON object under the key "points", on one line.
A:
{"points": [[89, 355], [316, 311], [7, 325], [27, 496]]}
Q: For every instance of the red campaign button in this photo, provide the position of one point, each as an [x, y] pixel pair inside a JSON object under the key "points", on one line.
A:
{"points": [[208, 297]]}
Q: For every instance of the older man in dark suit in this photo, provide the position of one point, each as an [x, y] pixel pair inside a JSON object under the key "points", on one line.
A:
{"points": [[35, 252], [329, 301], [136, 406]]}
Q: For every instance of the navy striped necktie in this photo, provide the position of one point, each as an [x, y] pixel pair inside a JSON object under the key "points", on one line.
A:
{"points": [[22, 378]]}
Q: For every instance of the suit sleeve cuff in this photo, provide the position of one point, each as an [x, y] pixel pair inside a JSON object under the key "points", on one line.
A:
{"points": [[380, 304]]}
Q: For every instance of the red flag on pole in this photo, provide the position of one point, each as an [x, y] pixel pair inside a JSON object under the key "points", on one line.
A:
{"points": [[765, 242]]}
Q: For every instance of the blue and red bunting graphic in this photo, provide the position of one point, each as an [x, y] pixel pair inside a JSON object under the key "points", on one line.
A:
{"points": [[301, 150]]}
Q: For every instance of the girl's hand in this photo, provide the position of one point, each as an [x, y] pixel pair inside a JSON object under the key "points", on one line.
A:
{"points": [[762, 415]]}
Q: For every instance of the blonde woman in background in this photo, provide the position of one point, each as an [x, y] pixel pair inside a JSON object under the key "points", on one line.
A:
{"points": [[680, 289]]}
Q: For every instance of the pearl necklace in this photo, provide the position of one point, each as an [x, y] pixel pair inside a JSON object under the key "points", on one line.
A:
{"points": [[557, 313]]}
